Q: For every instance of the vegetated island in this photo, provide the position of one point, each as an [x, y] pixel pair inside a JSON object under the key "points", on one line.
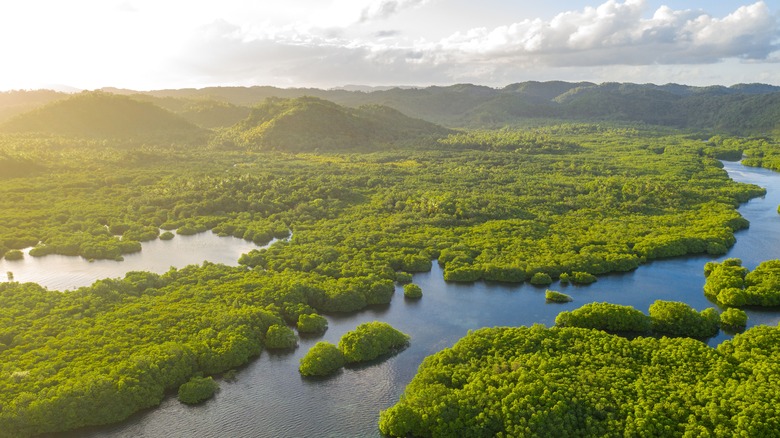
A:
{"points": [[367, 342], [508, 205], [729, 284]]}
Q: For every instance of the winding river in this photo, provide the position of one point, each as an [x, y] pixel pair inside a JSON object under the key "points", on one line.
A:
{"points": [[270, 399]]}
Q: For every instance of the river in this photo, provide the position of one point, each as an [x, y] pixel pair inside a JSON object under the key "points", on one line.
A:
{"points": [[270, 399]]}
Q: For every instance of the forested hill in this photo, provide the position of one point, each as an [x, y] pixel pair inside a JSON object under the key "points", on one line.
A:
{"points": [[103, 115], [310, 123], [742, 109], [738, 109]]}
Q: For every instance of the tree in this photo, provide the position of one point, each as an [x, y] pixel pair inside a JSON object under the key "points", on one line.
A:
{"points": [[371, 340], [312, 323], [322, 359], [197, 389], [552, 296], [412, 290], [280, 337]]}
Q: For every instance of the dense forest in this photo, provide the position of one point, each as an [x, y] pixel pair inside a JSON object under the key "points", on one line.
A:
{"points": [[367, 196], [553, 382], [738, 110]]}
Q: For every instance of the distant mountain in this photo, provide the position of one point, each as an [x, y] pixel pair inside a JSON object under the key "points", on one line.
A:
{"points": [[740, 109], [104, 115], [203, 112], [310, 123], [13, 103]]}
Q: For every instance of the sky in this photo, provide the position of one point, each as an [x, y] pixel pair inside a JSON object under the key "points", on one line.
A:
{"points": [[157, 44]]}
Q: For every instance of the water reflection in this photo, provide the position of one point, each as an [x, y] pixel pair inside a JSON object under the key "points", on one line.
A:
{"points": [[270, 399], [58, 272]]}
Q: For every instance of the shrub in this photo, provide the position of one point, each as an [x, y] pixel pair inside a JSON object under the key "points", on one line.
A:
{"points": [[403, 277], [167, 235], [280, 337], [197, 389], [541, 279], [371, 340], [14, 254], [322, 359], [412, 290], [606, 316], [734, 319], [556, 297], [582, 277], [674, 318], [312, 323]]}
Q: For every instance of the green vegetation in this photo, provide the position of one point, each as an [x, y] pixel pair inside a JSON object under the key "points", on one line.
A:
{"points": [[403, 277], [312, 323], [322, 359], [100, 115], [731, 285], [412, 290], [371, 340], [280, 337], [309, 123], [578, 382], [666, 318], [167, 235], [506, 206], [541, 279], [14, 254], [367, 342], [613, 318], [197, 390], [552, 296], [733, 319], [671, 318]]}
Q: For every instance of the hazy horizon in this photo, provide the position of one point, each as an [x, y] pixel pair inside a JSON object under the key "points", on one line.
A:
{"points": [[145, 45]]}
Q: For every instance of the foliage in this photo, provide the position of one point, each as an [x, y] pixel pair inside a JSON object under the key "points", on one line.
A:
{"points": [[671, 318], [312, 124], [370, 340], [280, 337], [96, 355], [14, 254], [610, 317], [412, 290], [578, 382], [733, 319], [322, 359], [403, 277], [731, 285], [98, 114], [312, 323], [197, 390], [552, 296], [541, 279]]}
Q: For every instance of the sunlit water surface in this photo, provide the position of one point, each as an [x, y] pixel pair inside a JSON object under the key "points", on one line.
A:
{"points": [[270, 399]]}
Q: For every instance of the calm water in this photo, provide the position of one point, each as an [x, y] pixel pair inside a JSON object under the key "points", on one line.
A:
{"points": [[270, 399], [58, 272]]}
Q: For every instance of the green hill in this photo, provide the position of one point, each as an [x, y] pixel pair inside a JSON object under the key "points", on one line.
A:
{"points": [[310, 123], [103, 115], [16, 102]]}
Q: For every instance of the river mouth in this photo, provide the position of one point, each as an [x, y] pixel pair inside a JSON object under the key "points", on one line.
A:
{"points": [[270, 399]]}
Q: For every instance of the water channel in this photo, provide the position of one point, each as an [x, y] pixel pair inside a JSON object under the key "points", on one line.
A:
{"points": [[270, 399]]}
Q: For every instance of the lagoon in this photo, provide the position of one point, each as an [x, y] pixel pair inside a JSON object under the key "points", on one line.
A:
{"points": [[270, 399]]}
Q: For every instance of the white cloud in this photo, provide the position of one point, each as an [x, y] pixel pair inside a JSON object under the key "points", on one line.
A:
{"points": [[383, 9], [616, 33]]}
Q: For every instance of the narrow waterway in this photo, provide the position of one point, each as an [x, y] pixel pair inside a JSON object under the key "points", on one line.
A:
{"points": [[270, 399]]}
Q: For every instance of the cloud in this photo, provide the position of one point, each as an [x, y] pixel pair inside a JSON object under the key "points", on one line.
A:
{"points": [[616, 33], [614, 36], [383, 9]]}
